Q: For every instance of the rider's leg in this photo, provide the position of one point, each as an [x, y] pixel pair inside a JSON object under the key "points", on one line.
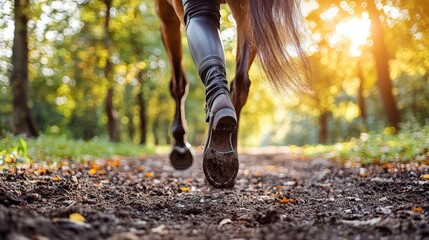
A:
{"points": [[202, 27], [220, 161]]}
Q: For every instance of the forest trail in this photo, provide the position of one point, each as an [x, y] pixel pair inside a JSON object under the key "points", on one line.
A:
{"points": [[277, 195]]}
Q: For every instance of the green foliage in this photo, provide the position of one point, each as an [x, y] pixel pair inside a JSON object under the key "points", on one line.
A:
{"points": [[68, 86], [410, 144], [17, 150], [13, 151]]}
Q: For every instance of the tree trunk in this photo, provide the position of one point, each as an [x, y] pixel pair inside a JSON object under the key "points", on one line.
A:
{"points": [[112, 116], [23, 122], [142, 115], [384, 82], [128, 111], [167, 136], [323, 124], [155, 126], [361, 98]]}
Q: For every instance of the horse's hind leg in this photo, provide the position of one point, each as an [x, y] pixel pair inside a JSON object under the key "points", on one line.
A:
{"points": [[240, 86], [181, 156]]}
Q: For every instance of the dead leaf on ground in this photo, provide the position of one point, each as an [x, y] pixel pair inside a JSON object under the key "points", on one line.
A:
{"points": [[56, 179], [113, 163], [76, 217], [363, 172], [417, 210], [225, 221], [160, 229], [140, 168], [92, 171], [287, 200], [95, 166], [40, 171]]}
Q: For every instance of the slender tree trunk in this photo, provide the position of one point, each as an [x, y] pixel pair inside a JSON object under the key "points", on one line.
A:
{"points": [[155, 126], [141, 98], [323, 124], [167, 136], [361, 98], [142, 112], [413, 105], [112, 116], [131, 128], [23, 122], [129, 113], [384, 82]]}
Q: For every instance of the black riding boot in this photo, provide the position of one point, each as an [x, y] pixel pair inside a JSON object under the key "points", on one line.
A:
{"points": [[220, 161]]}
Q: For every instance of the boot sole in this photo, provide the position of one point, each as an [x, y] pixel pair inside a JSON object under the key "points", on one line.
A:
{"points": [[220, 159]]}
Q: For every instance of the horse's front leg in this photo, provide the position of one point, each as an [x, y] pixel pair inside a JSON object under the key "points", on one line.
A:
{"points": [[181, 156]]}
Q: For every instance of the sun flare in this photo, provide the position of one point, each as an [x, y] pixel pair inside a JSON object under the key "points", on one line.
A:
{"points": [[356, 30]]}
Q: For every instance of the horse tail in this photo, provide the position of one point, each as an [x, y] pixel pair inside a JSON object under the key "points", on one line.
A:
{"points": [[275, 34]]}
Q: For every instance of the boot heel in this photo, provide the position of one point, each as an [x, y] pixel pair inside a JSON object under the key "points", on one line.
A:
{"points": [[220, 160], [225, 120]]}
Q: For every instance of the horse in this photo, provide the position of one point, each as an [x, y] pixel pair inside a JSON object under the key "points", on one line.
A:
{"points": [[269, 29]]}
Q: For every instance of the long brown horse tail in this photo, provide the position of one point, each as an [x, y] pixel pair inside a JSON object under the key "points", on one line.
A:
{"points": [[275, 32]]}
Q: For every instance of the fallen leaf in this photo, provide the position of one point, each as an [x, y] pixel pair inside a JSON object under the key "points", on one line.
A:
{"points": [[388, 166], [40, 171], [290, 183], [363, 172], [286, 200], [10, 158], [95, 166], [425, 176], [113, 163], [184, 189], [350, 164], [140, 168], [225, 221], [56, 179], [417, 210], [382, 199], [149, 174], [92, 171], [76, 217], [160, 229]]}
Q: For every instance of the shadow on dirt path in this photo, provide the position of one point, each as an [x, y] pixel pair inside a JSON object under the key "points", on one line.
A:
{"points": [[276, 196]]}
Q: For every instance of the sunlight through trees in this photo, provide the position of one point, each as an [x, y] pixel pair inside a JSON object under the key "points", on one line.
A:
{"points": [[369, 71]]}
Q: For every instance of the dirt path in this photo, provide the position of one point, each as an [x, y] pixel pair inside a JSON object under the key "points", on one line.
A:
{"points": [[277, 196]]}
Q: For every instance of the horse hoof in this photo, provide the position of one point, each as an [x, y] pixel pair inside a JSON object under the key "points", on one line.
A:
{"points": [[220, 159], [181, 158]]}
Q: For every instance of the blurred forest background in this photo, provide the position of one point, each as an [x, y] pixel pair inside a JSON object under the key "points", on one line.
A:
{"points": [[98, 69]]}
